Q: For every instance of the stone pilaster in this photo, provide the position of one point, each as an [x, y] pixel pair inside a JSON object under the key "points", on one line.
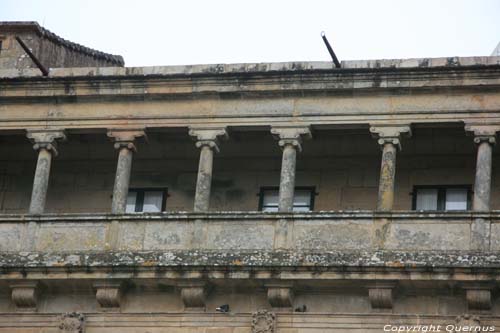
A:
{"points": [[25, 295], [124, 140], [193, 295], [207, 139], [109, 294], [389, 138], [45, 143], [280, 296], [290, 140]]}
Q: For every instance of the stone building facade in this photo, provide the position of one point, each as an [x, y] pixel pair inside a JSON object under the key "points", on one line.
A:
{"points": [[275, 197]]}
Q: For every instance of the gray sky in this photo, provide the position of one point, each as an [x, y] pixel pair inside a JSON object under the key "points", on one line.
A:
{"points": [[152, 32]]}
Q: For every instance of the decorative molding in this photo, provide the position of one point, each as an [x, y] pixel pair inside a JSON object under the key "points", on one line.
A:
{"points": [[25, 295], [109, 294], [390, 134], [291, 135], [46, 139], [467, 320], [72, 322], [280, 295], [263, 321], [193, 294], [125, 138], [208, 136]]}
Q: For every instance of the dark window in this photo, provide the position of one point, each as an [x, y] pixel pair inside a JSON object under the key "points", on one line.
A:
{"points": [[146, 200], [0, 46], [442, 197], [303, 200]]}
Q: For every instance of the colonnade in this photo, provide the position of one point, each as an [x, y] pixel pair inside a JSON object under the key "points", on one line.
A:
{"points": [[289, 138]]}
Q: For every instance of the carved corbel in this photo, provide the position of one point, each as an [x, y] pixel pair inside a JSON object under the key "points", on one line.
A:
{"points": [[381, 295], [25, 295], [390, 134], [46, 139], [280, 295], [72, 322], [263, 321], [109, 294], [478, 299], [208, 136], [125, 138], [291, 135], [193, 295]]}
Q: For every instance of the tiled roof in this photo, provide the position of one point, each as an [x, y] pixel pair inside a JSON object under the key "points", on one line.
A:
{"points": [[44, 33]]}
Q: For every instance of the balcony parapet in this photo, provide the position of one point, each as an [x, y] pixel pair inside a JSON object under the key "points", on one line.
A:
{"points": [[317, 231]]}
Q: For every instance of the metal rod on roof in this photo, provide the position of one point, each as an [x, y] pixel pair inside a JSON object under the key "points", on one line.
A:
{"points": [[41, 67], [330, 50]]}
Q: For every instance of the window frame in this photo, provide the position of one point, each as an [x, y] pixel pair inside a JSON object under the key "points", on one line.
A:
{"points": [[140, 194], [441, 198], [263, 189]]}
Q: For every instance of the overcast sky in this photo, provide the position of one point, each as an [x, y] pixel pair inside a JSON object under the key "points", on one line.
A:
{"points": [[152, 32]]}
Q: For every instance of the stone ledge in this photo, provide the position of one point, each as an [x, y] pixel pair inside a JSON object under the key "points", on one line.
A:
{"points": [[217, 69], [253, 259], [466, 216]]}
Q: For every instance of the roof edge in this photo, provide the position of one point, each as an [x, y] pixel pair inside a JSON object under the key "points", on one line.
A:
{"points": [[23, 26]]}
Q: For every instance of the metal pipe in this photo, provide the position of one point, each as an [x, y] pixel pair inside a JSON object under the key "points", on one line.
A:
{"points": [[41, 67], [330, 50]]}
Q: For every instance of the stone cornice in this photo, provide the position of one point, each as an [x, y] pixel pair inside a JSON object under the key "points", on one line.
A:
{"points": [[99, 83], [440, 262]]}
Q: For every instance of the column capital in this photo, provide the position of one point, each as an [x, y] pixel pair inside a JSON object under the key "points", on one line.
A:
{"points": [[483, 132], [46, 139], [291, 135], [125, 137], [390, 133], [208, 136]]}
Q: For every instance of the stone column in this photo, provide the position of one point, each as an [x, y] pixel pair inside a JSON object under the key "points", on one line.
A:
{"points": [[45, 142], [290, 140], [124, 142], [485, 138], [389, 138], [207, 139]]}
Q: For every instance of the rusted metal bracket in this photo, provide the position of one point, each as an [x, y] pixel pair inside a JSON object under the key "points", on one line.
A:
{"points": [[37, 62], [330, 50]]}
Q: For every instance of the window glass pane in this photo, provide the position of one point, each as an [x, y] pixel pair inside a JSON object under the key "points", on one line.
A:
{"points": [[301, 201], [301, 208], [456, 199], [302, 198], [152, 201], [271, 198], [427, 199], [131, 198]]}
